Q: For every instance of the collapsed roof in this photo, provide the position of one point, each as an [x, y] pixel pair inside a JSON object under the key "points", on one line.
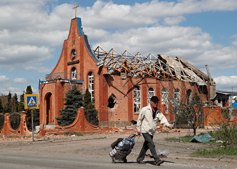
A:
{"points": [[158, 67]]}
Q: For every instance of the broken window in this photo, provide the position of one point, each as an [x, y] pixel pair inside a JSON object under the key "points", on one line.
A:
{"points": [[177, 95], [177, 99], [91, 84], [151, 92], [164, 98], [74, 73], [188, 96], [111, 101], [137, 99]]}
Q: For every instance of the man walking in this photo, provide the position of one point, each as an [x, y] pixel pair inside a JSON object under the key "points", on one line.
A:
{"points": [[146, 125]]}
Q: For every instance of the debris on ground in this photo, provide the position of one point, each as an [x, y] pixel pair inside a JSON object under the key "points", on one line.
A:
{"points": [[202, 138]]}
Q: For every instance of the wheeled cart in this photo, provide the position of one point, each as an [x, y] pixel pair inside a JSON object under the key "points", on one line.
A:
{"points": [[121, 148]]}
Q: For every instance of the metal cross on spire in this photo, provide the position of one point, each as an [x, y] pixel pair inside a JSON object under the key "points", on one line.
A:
{"points": [[75, 7]]}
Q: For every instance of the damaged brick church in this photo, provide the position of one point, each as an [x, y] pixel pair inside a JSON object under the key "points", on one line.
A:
{"points": [[120, 84]]}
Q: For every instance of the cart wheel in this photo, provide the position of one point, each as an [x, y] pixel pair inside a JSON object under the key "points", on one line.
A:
{"points": [[125, 160], [113, 160]]}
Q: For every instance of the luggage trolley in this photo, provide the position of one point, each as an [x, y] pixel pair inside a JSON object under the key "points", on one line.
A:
{"points": [[121, 148]]}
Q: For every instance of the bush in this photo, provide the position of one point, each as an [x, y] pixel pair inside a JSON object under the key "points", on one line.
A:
{"points": [[227, 134]]}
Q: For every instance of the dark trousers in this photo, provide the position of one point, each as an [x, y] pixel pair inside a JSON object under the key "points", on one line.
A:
{"points": [[148, 144]]}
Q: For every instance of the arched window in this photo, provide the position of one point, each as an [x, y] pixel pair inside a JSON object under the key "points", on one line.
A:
{"points": [[137, 99], [177, 99], [164, 97], [73, 54], [188, 96], [91, 84], [151, 92], [74, 73]]}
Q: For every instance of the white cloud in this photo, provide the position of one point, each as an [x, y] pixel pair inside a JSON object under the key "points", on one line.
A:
{"points": [[12, 90], [226, 80], [159, 40], [39, 69], [20, 80], [227, 83], [173, 20], [4, 79], [109, 15], [32, 32], [23, 54]]}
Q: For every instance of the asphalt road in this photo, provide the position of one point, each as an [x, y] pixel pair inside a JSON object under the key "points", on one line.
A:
{"points": [[92, 152], [56, 161]]}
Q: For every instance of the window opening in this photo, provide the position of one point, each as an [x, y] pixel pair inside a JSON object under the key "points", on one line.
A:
{"points": [[177, 95], [91, 84], [164, 96], [151, 92], [137, 99], [111, 101], [177, 99], [74, 73], [188, 96], [73, 54]]}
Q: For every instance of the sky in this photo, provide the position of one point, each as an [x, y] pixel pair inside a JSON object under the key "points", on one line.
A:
{"points": [[32, 32]]}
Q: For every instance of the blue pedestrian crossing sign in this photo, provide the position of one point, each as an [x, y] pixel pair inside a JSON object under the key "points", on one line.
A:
{"points": [[31, 101]]}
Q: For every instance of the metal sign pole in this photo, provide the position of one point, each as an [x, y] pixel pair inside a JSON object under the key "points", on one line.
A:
{"points": [[31, 102], [32, 124]]}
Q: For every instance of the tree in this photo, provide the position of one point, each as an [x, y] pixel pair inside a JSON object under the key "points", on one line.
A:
{"points": [[1, 107], [16, 102], [91, 113], [28, 112], [74, 100], [7, 107], [9, 97], [191, 112], [29, 90], [21, 104]]}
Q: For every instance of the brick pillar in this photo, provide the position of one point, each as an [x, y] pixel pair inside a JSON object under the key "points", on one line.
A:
{"points": [[58, 100], [144, 93], [158, 93], [171, 96], [183, 92], [102, 95], [41, 104], [81, 58]]}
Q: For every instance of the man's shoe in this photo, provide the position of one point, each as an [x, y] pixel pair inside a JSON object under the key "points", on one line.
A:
{"points": [[141, 162], [159, 162]]}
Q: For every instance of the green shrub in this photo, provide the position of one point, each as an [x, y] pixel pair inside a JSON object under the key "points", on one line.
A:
{"points": [[227, 134]]}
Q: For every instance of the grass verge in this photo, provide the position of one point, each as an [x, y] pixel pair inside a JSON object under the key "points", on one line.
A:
{"points": [[212, 153]]}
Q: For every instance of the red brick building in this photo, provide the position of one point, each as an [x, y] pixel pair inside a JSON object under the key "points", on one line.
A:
{"points": [[118, 95]]}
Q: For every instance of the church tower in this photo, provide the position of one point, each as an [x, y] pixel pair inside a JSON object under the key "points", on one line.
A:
{"points": [[76, 65]]}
